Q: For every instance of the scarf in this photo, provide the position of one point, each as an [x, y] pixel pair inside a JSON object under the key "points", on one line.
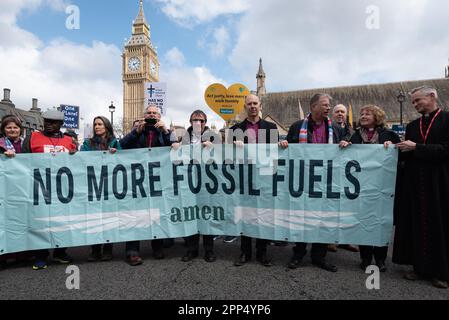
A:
{"points": [[304, 130], [366, 140]]}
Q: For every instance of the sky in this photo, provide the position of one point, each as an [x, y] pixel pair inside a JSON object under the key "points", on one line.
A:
{"points": [[303, 44]]}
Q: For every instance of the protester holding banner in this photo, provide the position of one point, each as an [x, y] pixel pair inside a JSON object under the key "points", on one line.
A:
{"points": [[254, 128], [317, 127], [103, 139], [372, 130], [11, 131], [422, 218], [151, 133], [198, 134], [51, 140]]}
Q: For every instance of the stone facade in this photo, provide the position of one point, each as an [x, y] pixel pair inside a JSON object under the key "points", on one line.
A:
{"points": [[31, 120]]}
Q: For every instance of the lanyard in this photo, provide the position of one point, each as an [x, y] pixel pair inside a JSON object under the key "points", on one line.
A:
{"points": [[428, 129]]}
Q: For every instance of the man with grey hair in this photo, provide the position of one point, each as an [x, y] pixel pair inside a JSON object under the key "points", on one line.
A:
{"points": [[422, 211], [150, 133], [317, 127]]}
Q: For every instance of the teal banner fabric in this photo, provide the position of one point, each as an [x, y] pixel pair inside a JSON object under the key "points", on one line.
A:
{"points": [[306, 193]]}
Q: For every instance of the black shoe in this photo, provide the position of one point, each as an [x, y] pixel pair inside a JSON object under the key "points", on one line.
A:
{"points": [[209, 256], [158, 255], [325, 266], [3, 265], [189, 256], [134, 260], [381, 266], [95, 255], [244, 258], [294, 262], [365, 263], [263, 259]]}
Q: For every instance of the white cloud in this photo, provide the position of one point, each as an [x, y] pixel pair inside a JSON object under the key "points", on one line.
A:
{"points": [[186, 86], [61, 72], [89, 76], [174, 57], [313, 44], [215, 42], [221, 42], [9, 9], [191, 12]]}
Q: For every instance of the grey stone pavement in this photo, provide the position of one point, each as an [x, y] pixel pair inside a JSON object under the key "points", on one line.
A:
{"points": [[172, 279]]}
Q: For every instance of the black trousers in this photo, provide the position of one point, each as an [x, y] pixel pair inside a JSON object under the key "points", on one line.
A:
{"points": [[368, 252], [44, 253], [193, 243], [133, 247], [246, 246], [98, 247], [319, 251]]}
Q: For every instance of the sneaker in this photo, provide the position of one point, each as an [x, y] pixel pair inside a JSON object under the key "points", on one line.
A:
{"points": [[63, 258], [229, 239], [39, 265], [217, 237]]}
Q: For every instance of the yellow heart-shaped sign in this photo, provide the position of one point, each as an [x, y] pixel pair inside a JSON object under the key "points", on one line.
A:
{"points": [[227, 103]]}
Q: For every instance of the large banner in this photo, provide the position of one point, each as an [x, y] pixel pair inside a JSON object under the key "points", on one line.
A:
{"points": [[306, 193]]}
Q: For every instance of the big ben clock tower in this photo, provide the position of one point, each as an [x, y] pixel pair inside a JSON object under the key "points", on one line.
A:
{"points": [[140, 65]]}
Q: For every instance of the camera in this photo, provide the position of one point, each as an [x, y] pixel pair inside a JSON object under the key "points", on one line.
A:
{"points": [[150, 122]]}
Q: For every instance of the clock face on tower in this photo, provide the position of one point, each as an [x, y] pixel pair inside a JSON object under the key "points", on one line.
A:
{"points": [[153, 68], [133, 64]]}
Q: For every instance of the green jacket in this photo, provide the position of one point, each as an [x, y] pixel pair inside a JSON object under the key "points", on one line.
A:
{"points": [[87, 145]]}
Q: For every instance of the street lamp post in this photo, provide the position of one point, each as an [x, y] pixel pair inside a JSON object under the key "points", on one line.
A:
{"points": [[401, 100], [112, 110]]}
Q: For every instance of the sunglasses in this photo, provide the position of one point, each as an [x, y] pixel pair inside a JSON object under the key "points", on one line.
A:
{"points": [[199, 120]]}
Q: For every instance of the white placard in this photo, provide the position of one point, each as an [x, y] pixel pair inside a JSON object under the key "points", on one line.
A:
{"points": [[156, 94]]}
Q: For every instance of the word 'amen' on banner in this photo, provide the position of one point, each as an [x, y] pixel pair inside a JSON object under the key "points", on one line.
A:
{"points": [[306, 193]]}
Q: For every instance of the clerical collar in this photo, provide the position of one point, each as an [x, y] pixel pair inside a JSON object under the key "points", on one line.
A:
{"points": [[432, 114]]}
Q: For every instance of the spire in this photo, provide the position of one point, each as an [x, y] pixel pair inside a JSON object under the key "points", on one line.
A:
{"points": [[261, 73], [141, 29], [141, 16], [261, 91]]}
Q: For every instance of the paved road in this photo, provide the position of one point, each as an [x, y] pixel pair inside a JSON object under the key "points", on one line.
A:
{"points": [[173, 279]]}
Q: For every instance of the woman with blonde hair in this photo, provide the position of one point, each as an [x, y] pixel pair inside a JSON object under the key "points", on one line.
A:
{"points": [[372, 130]]}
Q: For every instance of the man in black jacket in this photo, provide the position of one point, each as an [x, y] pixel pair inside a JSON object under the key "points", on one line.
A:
{"points": [[316, 128], [151, 133], [255, 130]]}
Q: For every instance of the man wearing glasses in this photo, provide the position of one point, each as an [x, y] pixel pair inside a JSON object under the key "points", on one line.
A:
{"points": [[150, 133], [198, 134]]}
